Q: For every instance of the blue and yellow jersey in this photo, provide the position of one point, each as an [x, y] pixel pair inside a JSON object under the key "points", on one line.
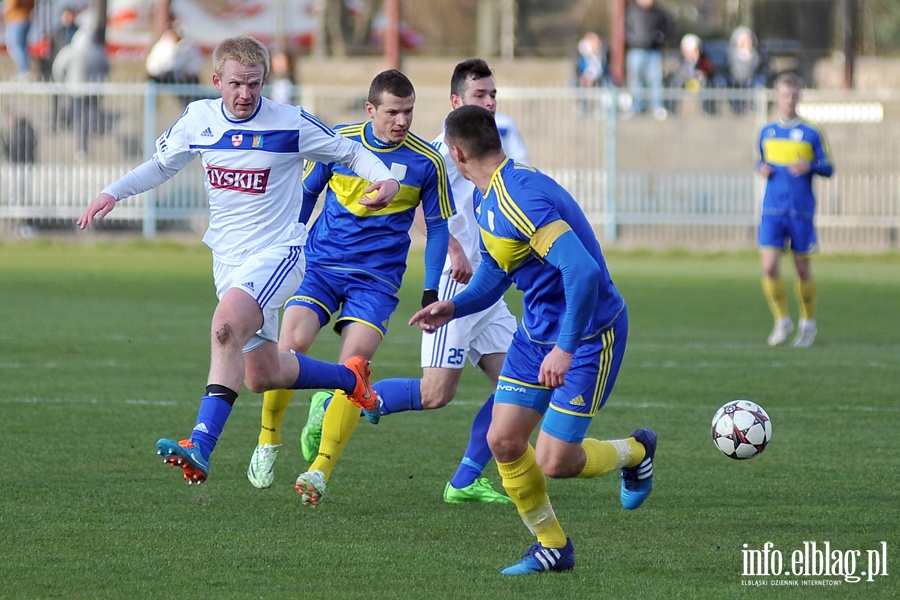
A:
{"points": [[520, 217], [782, 144], [348, 237]]}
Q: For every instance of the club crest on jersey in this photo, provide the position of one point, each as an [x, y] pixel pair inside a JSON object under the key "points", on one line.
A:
{"points": [[248, 181], [237, 139], [398, 170], [796, 134], [490, 216]]}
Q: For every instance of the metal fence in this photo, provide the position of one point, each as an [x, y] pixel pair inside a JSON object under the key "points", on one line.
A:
{"points": [[687, 181]]}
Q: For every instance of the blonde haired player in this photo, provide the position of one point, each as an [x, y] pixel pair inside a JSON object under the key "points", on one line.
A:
{"points": [[252, 150]]}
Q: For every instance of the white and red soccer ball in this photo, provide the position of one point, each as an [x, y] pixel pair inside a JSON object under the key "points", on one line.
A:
{"points": [[741, 429]]}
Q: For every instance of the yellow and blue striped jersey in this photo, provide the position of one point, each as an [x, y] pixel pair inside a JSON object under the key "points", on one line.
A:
{"points": [[346, 236], [782, 144], [522, 214]]}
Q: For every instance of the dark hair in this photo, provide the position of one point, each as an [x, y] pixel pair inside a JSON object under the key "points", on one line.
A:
{"points": [[474, 68], [393, 82], [473, 129]]}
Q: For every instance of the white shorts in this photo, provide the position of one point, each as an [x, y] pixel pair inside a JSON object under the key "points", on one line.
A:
{"points": [[271, 277], [487, 332]]}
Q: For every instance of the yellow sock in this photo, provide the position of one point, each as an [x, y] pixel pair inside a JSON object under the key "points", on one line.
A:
{"points": [[275, 403], [808, 295], [341, 418], [606, 456], [777, 296], [525, 483], [638, 452]]}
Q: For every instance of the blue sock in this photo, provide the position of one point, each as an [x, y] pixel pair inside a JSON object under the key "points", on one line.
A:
{"points": [[316, 374], [399, 395], [477, 453], [210, 421]]}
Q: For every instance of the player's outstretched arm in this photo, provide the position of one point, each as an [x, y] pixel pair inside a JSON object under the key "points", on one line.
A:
{"points": [[145, 176], [99, 208], [386, 190], [434, 316]]}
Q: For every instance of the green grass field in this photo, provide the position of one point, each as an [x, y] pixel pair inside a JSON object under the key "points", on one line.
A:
{"points": [[104, 349]]}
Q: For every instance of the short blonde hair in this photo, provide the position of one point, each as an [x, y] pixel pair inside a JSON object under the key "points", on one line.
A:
{"points": [[789, 79], [244, 49]]}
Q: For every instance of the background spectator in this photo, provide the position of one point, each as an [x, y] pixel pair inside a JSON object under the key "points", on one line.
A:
{"points": [[84, 61], [17, 16], [17, 139], [591, 67], [174, 59], [58, 37], [695, 71], [281, 78], [747, 67], [646, 30]]}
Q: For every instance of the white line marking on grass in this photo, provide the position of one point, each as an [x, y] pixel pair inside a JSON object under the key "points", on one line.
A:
{"points": [[843, 408], [49, 401], [776, 364], [106, 364], [141, 402], [87, 401]]}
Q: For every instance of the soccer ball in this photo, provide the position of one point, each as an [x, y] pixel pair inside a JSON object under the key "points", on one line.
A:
{"points": [[741, 429]]}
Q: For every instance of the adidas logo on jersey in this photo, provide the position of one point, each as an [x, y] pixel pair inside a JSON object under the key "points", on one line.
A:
{"points": [[248, 285], [201, 427], [207, 133], [576, 401]]}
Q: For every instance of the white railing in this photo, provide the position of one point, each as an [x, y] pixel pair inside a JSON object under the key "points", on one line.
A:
{"points": [[687, 181]]}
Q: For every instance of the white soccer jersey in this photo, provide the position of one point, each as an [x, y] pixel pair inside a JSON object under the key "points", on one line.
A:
{"points": [[513, 144], [253, 171], [463, 225]]}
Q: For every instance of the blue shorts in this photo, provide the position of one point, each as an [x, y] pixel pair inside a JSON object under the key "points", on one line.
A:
{"points": [[784, 232], [361, 298], [589, 381]]}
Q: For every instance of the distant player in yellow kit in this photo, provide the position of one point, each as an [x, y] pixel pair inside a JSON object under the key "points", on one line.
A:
{"points": [[791, 151]]}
